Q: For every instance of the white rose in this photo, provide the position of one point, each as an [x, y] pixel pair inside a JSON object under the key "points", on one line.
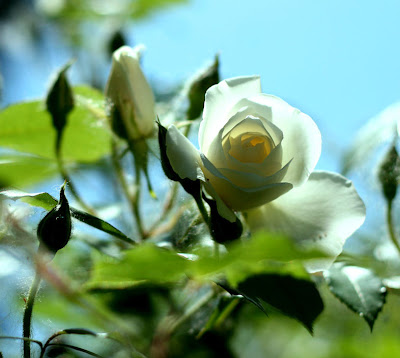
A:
{"points": [[129, 92], [256, 154]]}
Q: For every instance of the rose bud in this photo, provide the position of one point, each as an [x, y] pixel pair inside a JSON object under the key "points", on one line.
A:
{"points": [[389, 173], [130, 98], [54, 230]]}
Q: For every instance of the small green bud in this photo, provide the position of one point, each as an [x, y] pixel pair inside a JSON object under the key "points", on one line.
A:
{"points": [[222, 230], [389, 171], [54, 230], [198, 88], [60, 99]]}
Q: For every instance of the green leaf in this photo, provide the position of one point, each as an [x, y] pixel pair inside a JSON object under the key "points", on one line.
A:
{"points": [[153, 264], [46, 201], [85, 9], [14, 169], [296, 298], [359, 289], [263, 252], [82, 331], [225, 306], [254, 300], [143, 263], [42, 200], [99, 224], [27, 127]]}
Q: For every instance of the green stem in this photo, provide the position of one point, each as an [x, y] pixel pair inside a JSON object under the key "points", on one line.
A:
{"points": [[227, 311], [120, 172], [23, 339], [136, 200], [389, 218], [28, 315], [75, 348], [216, 250], [167, 208], [66, 176], [203, 211], [132, 198], [192, 310], [206, 218]]}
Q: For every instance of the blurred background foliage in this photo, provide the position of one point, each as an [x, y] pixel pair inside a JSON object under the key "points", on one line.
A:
{"points": [[90, 30]]}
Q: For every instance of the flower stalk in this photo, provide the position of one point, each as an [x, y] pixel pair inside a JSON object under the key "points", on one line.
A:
{"points": [[66, 177], [27, 319]]}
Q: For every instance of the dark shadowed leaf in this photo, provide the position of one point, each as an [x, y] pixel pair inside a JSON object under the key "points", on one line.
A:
{"points": [[359, 289], [294, 297]]}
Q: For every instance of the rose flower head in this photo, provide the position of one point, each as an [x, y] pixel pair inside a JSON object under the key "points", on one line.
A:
{"points": [[257, 155]]}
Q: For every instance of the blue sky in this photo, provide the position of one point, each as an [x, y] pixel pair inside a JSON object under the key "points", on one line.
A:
{"points": [[338, 61]]}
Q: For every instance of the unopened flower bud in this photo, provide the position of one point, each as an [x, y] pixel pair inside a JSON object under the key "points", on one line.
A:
{"points": [[130, 98], [54, 230], [60, 99], [389, 172]]}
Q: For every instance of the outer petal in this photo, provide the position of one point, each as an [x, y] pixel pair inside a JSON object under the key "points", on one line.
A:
{"points": [[321, 214], [241, 198], [219, 100], [301, 136], [183, 155]]}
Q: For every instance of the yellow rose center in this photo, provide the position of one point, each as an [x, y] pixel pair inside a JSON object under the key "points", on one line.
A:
{"points": [[250, 147]]}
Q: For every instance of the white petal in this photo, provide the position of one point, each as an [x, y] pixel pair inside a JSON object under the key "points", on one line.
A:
{"points": [[183, 155], [271, 164], [321, 214], [219, 100], [127, 88], [241, 198], [301, 137]]}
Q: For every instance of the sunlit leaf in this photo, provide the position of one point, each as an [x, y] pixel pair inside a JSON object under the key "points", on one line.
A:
{"points": [[263, 252], [26, 127], [154, 264], [42, 200], [14, 169], [145, 262], [359, 289], [85, 9]]}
